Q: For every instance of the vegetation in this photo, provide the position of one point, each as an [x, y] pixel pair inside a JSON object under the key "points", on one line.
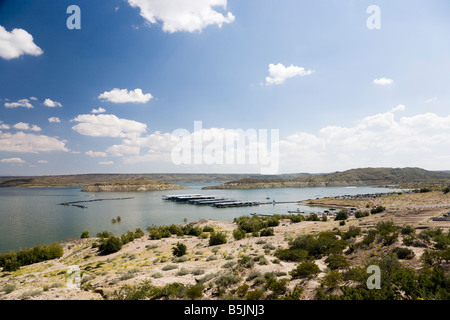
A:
{"points": [[179, 249], [217, 238], [341, 215], [12, 261], [377, 210]]}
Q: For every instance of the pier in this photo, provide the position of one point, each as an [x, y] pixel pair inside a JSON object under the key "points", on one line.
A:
{"points": [[213, 201]]}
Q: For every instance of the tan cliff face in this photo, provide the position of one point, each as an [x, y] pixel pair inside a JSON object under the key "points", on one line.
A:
{"points": [[131, 186]]}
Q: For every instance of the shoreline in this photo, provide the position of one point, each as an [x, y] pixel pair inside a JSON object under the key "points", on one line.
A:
{"points": [[151, 260]]}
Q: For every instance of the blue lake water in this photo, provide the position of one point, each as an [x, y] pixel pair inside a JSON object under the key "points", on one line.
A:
{"points": [[30, 216]]}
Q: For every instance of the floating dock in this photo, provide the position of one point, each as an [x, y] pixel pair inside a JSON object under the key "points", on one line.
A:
{"points": [[213, 201]]}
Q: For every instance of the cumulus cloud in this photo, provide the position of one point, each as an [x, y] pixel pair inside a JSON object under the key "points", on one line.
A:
{"points": [[13, 161], [125, 96], [52, 104], [30, 143], [99, 110], [383, 81], [278, 73], [377, 140], [17, 43], [108, 125], [96, 154], [4, 126], [54, 120], [42, 161], [25, 103], [182, 15], [26, 126]]}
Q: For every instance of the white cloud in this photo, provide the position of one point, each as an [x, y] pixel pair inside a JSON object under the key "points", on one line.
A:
{"points": [[383, 81], [108, 125], [377, 140], [96, 154], [54, 120], [125, 96], [400, 107], [21, 103], [30, 143], [431, 100], [17, 43], [22, 126], [52, 104], [106, 163], [42, 161], [12, 160], [26, 126], [33, 98], [4, 126], [99, 110], [279, 73], [182, 15]]}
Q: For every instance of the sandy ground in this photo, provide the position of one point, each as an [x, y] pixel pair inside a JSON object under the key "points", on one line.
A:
{"points": [[145, 259]]}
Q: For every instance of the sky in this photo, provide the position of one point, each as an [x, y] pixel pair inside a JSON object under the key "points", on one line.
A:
{"points": [[160, 86]]}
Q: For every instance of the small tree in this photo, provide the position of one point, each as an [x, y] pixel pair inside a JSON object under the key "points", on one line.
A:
{"points": [[85, 235], [179, 249]]}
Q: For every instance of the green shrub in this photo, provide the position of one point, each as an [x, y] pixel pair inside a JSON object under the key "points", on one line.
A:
{"points": [[341, 215], [361, 214], [407, 230], [239, 234], [337, 262], [404, 253], [295, 255], [217, 238], [255, 295], [179, 249], [332, 279], [84, 235], [267, 232], [12, 261], [208, 229], [110, 245], [378, 209], [305, 270]]}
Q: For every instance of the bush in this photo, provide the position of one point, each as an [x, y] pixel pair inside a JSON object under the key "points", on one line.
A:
{"points": [[407, 230], [12, 261], [446, 190], [361, 214], [378, 209], [84, 235], [208, 229], [332, 279], [110, 245], [179, 249], [305, 270], [337, 262], [295, 255], [342, 215], [267, 232], [239, 234], [404, 253], [351, 233], [217, 238]]}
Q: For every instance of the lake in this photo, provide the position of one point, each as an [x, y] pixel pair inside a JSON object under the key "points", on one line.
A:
{"points": [[30, 216]]}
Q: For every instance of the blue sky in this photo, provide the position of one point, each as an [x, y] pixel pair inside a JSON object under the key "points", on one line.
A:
{"points": [[210, 61]]}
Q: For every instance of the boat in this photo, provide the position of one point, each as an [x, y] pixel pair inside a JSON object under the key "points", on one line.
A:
{"points": [[296, 211]]}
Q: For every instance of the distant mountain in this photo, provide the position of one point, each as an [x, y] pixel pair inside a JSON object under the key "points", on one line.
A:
{"points": [[89, 179], [353, 177]]}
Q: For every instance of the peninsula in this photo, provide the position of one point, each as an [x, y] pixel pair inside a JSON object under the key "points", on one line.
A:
{"points": [[134, 185]]}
